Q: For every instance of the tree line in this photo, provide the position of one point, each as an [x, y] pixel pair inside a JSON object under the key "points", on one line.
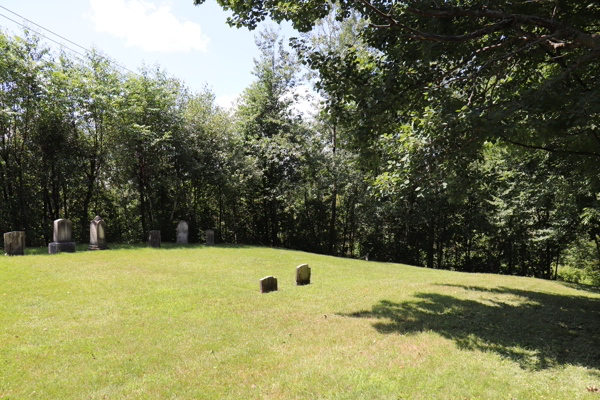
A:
{"points": [[388, 174]]}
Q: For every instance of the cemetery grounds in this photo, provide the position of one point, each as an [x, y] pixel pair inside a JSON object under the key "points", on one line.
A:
{"points": [[189, 322]]}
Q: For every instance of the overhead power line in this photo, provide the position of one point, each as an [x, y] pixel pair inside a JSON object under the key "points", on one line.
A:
{"points": [[56, 34], [41, 34], [39, 26]]}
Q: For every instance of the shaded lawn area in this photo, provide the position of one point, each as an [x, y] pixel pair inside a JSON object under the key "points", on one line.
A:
{"points": [[534, 329]]}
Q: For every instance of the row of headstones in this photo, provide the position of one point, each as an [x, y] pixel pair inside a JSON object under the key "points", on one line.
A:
{"points": [[14, 242], [269, 283], [182, 235]]}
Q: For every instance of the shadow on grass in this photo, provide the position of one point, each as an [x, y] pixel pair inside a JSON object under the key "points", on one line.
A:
{"points": [[582, 286], [536, 330]]}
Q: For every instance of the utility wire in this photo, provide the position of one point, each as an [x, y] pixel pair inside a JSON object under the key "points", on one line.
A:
{"points": [[59, 43], [39, 26], [41, 34]]}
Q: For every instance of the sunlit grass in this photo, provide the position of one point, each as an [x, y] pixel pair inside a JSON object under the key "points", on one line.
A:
{"points": [[188, 322]]}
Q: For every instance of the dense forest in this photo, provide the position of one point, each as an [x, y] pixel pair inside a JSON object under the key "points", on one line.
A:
{"points": [[446, 137]]}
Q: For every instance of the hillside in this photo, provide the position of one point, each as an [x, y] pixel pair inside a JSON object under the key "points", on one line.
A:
{"points": [[189, 322]]}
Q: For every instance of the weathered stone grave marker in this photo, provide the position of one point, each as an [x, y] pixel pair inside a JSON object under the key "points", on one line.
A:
{"points": [[210, 236], [154, 239], [268, 284], [302, 274], [97, 234], [62, 229], [182, 232], [14, 243]]}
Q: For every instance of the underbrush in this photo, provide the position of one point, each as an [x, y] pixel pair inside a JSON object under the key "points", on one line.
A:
{"points": [[587, 275]]}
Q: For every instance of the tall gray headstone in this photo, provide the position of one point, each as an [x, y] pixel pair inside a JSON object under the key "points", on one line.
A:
{"points": [[14, 243], [98, 234], [302, 274], [62, 229], [154, 239], [210, 236], [268, 284], [182, 232]]}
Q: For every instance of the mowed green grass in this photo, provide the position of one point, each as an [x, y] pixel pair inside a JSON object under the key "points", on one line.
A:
{"points": [[188, 322]]}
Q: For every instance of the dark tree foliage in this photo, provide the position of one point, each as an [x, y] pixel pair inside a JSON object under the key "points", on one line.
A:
{"points": [[526, 71], [418, 157], [457, 76]]}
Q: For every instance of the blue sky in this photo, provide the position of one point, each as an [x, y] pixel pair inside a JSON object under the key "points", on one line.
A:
{"points": [[193, 43]]}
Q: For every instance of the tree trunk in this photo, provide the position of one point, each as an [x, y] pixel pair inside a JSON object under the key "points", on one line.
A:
{"points": [[524, 266], [274, 224], [346, 221], [65, 199], [440, 250], [142, 200], [597, 241], [55, 192], [468, 260], [333, 197], [557, 263], [86, 203], [430, 243], [23, 220], [510, 256]]}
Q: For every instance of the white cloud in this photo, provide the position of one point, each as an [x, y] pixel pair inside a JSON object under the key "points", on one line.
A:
{"points": [[227, 101], [143, 24]]}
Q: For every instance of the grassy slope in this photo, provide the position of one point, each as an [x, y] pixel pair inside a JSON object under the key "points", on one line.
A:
{"points": [[189, 323]]}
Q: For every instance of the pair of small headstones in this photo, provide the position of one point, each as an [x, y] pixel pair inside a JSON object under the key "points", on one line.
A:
{"points": [[269, 283]]}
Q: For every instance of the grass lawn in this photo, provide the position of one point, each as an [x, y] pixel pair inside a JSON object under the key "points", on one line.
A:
{"points": [[188, 322]]}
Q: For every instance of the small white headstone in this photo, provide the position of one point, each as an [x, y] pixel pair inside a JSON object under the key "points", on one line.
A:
{"points": [[97, 234], [182, 232], [62, 237], [62, 230]]}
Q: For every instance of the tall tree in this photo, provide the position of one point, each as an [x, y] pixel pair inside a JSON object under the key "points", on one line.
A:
{"points": [[333, 37], [98, 84], [25, 70], [151, 114], [526, 71], [270, 128]]}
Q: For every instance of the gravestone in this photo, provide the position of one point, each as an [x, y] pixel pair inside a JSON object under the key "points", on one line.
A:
{"points": [[302, 274], [268, 284], [61, 234], [210, 236], [182, 232], [154, 239], [97, 234], [14, 243]]}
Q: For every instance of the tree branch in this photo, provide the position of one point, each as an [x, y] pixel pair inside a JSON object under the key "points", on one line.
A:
{"points": [[582, 60], [591, 41], [549, 149], [416, 34]]}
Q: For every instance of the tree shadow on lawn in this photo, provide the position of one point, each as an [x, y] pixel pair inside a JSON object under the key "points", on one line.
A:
{"points": [[538, 330], [582, 286]]}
